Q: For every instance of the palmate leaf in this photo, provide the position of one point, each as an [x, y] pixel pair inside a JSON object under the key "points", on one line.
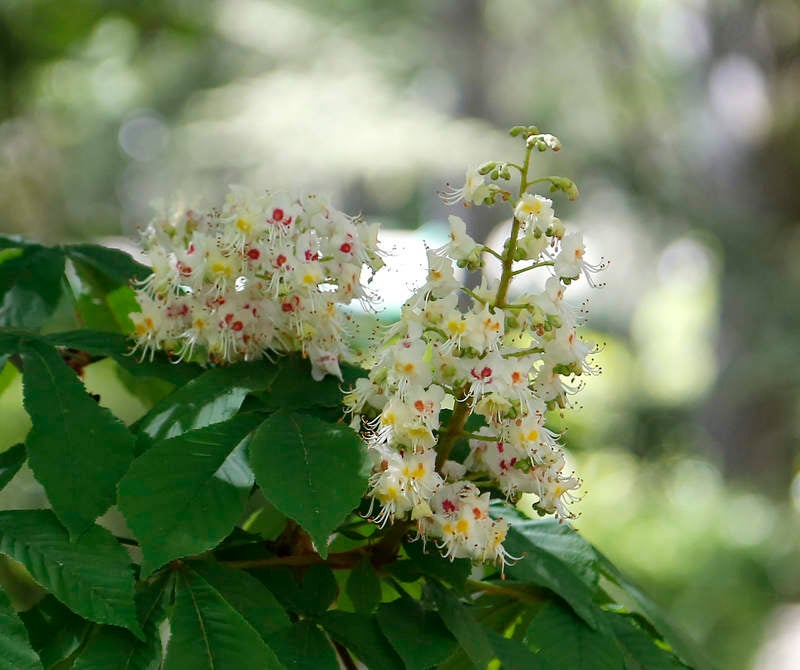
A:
{"points": [[640, 649], [676, 639], [16, 652], [55, 631], [77, 449], [115, 266], [556, 557], [118, 347], [471, 636], [209, 633], [185, 494], [565, 640], [246, 594], [364, 586], [417, 635], [361, 634], [312, 471], [214, 396], [11, 461], [91, 575], [303, 646], [30, 286], [308, 594], [116, 649]]}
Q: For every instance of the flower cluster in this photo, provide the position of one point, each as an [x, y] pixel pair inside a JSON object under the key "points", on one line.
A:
{"points": [[265, 273], [499, 363]]}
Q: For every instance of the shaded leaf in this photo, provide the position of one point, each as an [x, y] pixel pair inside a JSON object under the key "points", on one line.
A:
{"points": [[11, 461], [55, 630], [30, 286], [91, 575], [209, 633], [565, 640], [514, 655], [291, 387], [363, 637], [186, 493], [312, 471], [431, 563], [364, 586], [417, 635], [311, 596], [459, 621], [641, 650], [115, 649], [118, 347], [16, 652], [303, 646], [114, 265], [246, 594]]}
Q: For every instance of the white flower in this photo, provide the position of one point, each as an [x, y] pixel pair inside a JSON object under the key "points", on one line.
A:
{"points": [[474, 191], [535, 211]]}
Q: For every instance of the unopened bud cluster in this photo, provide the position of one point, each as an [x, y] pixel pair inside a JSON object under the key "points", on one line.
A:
{"points": [[500, 361], [264, 273]]}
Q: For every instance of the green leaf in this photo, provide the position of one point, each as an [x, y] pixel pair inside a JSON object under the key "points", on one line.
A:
{"points": [[11, 461], [291, 387], [208, 632], [122, 302], [460, 622], [567, 642], [115, 265], [91, 575], [310, 597], [214, 396], [676, 639], [364, 586], [118, 347], [77, 449], [417, 635], [89, 290], [246, 594], [55, 631], [303, 646], [516, 656], [115, 649], [556, 557], [16, 652], [312, 471], [363, 637], [641, 650], [30, 286], [186, 493], [430, 563]]}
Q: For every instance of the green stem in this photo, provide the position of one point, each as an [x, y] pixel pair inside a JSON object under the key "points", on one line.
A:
{"points": [[541, 264], [491, 251], [511, 250], [524, 352], [454, 429], [473, 295]]}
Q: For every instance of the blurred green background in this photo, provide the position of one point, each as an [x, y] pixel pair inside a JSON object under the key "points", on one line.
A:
{"points": [[680, 121]]}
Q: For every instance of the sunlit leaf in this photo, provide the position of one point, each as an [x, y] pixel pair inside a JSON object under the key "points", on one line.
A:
{"points": [[185, 494], [77, 449]]}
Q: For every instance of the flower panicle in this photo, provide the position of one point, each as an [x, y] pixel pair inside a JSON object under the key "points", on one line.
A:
{"points": [[264, 273], [504, 357]]}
